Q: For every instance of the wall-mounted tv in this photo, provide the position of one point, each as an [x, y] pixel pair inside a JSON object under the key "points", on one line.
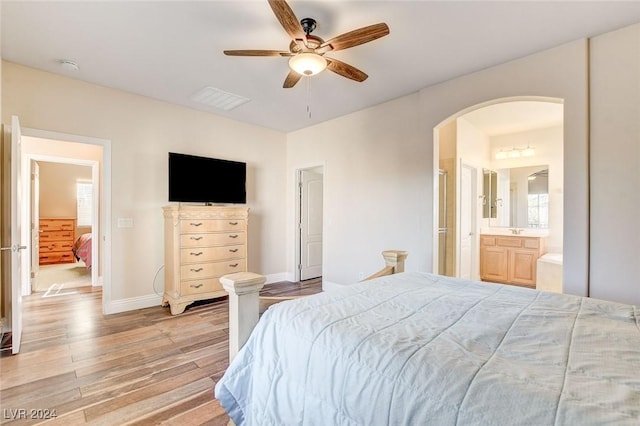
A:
{"points": [[194, 179]]}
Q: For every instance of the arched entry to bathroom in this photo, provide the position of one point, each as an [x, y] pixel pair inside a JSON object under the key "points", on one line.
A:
{"points": [[493, 140]]}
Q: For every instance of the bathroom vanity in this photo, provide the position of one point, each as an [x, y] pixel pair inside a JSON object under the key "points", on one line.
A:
{"points": [[510, 259]]}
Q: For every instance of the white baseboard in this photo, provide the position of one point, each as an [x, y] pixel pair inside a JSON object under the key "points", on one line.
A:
{"points": [[133, 303], [151, 300]]}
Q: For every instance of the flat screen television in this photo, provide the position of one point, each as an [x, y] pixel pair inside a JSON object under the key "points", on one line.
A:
{"points": [[194, 179]]}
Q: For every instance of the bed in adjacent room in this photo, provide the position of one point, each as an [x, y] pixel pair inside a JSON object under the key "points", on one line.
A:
{"points": [[416, 348], [82, 249]]}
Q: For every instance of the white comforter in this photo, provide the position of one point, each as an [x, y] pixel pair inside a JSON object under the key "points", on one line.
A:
{"points": [[420, 349]]}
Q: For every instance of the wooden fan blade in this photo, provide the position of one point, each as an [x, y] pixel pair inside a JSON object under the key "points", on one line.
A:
{"points": [[345, 70], [257, 53], [291, 80], [288, 20], [354, 38]]}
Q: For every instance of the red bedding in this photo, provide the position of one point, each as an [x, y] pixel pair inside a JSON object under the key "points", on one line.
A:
{"points": [[82, 249]]}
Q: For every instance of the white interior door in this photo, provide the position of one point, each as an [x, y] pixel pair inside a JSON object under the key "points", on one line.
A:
{"points": [[35, 224], [310, 224], [467, 222], [17, 246]]}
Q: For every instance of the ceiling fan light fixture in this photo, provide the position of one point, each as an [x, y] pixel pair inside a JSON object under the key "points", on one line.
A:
{"points": [[307, 63]]}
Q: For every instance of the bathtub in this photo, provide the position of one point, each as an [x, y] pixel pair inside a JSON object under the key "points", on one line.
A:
{"points": [[549, 272]]}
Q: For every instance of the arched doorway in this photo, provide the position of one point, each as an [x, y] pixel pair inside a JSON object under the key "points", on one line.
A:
{"points": [[492, 140]]}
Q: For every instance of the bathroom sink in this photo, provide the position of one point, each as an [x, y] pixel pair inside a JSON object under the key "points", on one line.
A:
{"points": [[522, 232]]}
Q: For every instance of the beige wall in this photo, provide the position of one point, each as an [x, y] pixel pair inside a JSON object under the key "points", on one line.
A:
{"points": [[615, 166], [142, 131], [58, 189], [375, 188]]}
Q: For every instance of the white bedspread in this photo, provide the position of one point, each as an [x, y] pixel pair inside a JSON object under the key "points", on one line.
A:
{"points": [[419, 349]]}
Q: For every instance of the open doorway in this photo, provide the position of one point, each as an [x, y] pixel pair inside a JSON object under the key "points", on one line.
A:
{"points": [[514, 145], [76, 207], [62, 216], [309, 223]]}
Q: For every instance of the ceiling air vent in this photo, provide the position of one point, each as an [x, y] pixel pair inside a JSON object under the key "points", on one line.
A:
{"points": [[218, 98]]}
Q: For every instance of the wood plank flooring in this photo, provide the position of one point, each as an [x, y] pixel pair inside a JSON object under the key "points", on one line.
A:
{"points": [[142, 367]]}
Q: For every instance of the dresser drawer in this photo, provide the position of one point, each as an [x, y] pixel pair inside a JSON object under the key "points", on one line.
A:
{"points": [[213, 269], [211, 225], [200, 286], [208, 254], [56, 224], [56, 236], [56, 246], [208, 240], [55, 257]]}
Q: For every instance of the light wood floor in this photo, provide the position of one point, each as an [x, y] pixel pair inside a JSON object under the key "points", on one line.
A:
{"points": [[141, 367]]}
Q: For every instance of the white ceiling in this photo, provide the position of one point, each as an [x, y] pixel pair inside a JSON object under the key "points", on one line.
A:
{"points": [[170, 50]]}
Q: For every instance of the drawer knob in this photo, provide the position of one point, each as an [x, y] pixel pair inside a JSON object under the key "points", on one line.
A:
{"points": [[195, 285], [234, 265], [196, 270], [233, 223], [233, 236], [195, 238], [233, 250], [195, 224], [195, 254]]}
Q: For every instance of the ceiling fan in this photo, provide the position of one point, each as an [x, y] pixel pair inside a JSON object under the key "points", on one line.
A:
{"points": [[307, 51]]}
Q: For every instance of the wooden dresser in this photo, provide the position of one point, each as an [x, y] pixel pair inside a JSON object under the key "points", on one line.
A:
{"points": [[56, 240], [510, 259], [201, 243]]}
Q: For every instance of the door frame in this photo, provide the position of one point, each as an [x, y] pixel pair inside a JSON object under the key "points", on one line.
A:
{"points": [[95, 202], [104, 191], [473, 213], [296, 217]]}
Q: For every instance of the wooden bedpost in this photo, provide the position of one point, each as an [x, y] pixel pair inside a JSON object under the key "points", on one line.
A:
{"points": [[394, 263], [395, 258], [243, 289]]}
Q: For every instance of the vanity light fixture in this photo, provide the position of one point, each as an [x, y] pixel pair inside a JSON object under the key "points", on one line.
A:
{"points": [[515, 153], [528, 152]]}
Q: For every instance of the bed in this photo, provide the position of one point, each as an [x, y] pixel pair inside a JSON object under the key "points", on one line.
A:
{"points": [[416, 348], [82, 249]]}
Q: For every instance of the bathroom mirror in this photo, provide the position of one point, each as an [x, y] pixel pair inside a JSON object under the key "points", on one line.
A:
{"points": [[517, 197]]}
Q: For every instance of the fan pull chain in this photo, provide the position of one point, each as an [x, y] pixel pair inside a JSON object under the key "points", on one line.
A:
{"points": [[309, 97]]}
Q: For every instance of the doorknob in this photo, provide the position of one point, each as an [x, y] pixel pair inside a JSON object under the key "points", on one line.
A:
{"points": [[14, 248]]}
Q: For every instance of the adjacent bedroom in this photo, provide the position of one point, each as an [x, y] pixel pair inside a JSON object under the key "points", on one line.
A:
{"points": [[61, 201]]}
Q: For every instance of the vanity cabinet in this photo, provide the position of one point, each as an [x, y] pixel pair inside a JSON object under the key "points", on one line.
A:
{"points": [[202, 243], [510, 259]]}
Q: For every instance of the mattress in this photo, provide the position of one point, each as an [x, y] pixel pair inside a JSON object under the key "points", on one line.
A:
{"points": [[416, 348]]}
